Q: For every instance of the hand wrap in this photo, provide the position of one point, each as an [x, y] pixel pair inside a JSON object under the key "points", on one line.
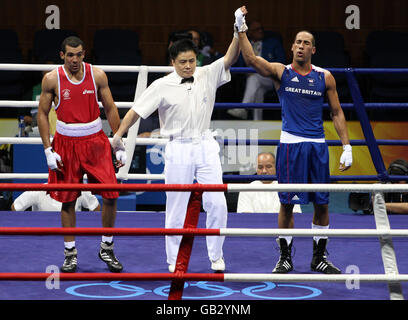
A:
{"points": [[347, 156], [240, 24], [52, 158], [119, 149]]}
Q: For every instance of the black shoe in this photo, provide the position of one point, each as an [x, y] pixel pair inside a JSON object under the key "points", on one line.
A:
{"points": [[284, 265], [70, 261], [106, 254], [319, 260]]}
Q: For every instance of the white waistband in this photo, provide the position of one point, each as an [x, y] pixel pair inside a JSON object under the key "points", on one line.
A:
{"points": [[207, 134], [287, 137], [79, 129]]}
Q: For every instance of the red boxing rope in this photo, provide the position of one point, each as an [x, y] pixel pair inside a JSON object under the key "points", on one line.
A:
{"points": [[101, 231], [113, 187], [31, 276]]}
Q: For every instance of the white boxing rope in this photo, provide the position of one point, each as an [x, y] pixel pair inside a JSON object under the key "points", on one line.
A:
{"points": [[319, 187], [352, 278], [350, 233], [49, 67], [34, 104], [387, 247]]}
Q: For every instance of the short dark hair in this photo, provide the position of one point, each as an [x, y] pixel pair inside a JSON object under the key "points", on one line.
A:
{"points": [[398, 167], [182, 45], [307, 31], [71, 41]]}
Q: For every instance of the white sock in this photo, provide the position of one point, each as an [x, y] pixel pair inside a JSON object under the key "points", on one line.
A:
{"points": [[317, 238], [69, 245], [107, 239], [287, 238]]}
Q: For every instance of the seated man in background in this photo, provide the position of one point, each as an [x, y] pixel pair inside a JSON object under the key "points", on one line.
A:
{"points": [[41, 201], [262, 201], [202, 60], [397, 202]]}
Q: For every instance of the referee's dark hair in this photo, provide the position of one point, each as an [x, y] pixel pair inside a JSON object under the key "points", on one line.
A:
{"points": [[182, 45]]}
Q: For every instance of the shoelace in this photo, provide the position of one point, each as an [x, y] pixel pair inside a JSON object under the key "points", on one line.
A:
{"points": [[292, 253], [70, 260]]}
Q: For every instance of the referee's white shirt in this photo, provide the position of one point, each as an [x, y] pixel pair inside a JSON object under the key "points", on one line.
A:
{"points": [[184, 109]]}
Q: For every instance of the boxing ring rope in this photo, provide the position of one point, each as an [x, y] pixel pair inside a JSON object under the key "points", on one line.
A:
{"points": [[235, 187], [226, 142], [383, 231], [218, 105], [358, 104], [226, 277], [180, 275], [230, 232]]}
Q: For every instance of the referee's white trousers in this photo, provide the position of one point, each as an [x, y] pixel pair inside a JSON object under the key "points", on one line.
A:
{"points": [[185, 160]]}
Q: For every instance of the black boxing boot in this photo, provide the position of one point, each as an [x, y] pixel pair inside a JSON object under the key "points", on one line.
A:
{"points": [[284, 265], [70, 261], [319, 260], [106, 255]]}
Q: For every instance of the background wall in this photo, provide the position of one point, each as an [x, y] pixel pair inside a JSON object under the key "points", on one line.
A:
{"points": [[155, 19]]}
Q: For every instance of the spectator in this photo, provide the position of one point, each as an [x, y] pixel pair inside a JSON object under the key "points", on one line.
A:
{"points": [[202, 59], [30, 121], [397, 202], [208, 46], [256, 85], [262, 201]]}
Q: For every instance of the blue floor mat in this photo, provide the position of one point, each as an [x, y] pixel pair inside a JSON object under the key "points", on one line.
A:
{"points": [[144, 254]]}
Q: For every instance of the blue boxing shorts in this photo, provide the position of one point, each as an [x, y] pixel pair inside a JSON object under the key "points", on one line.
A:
{"points": [[304, 162]]}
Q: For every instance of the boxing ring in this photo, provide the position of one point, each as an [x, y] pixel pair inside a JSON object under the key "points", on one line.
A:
{"points": [[383, 229]]}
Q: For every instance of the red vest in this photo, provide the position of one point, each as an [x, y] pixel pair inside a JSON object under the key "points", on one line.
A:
{"points": [[77, 101]]}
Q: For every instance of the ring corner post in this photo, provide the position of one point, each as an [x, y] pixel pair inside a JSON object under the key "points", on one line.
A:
{"points": [[364, 121]]}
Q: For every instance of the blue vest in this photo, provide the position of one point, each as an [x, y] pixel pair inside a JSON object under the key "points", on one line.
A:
{"points": [[302, 100]]}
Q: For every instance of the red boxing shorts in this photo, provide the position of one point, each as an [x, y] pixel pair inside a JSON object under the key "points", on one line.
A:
{"points": [[90, 155]]}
